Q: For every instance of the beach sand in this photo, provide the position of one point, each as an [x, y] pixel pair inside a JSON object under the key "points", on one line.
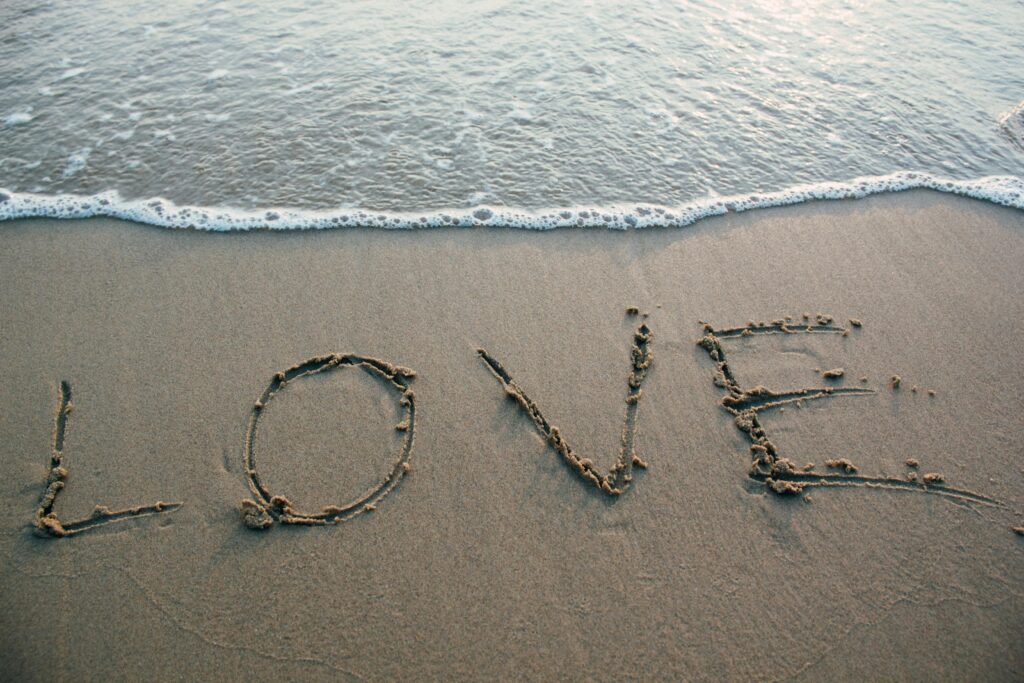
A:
{"points": [[493, 557]]}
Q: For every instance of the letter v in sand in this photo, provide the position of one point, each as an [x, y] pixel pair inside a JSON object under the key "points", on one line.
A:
{"points": [[617, 479]]}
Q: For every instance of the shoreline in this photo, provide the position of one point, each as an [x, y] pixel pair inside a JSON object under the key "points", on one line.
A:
{"points": [[1004, 190], [495, 552]]}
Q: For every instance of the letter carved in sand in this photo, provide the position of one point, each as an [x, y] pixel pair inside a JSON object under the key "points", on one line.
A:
{"points": [[779, 473], [47, 523], [618, 478], [264, 508]]}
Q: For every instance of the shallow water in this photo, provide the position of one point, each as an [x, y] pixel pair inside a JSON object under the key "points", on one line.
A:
{"points": [[418, 107]]}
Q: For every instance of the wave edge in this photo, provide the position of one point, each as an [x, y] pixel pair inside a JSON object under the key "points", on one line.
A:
{"points": [[1005, 190]]}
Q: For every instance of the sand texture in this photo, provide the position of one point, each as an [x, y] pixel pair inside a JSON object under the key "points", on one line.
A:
{"points": [[782, 445]]}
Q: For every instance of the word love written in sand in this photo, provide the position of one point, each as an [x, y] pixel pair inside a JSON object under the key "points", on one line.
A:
{"points": [[778, 473]]}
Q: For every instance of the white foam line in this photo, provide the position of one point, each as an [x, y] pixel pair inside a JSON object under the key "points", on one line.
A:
{"points": [[1006, 190]]}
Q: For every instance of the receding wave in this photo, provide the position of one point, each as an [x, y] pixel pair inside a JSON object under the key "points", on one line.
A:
{"points": [[1006, 190]]}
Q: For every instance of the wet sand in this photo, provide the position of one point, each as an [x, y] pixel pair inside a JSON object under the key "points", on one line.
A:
{"points": [[594, 504]]}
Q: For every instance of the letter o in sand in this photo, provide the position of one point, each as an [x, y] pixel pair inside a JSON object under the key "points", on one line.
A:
{"points": [[264, 508]]}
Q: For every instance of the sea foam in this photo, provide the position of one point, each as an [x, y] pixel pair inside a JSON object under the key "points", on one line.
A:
{"points": [[1005, 190], [1012, 124], [18, 118]]}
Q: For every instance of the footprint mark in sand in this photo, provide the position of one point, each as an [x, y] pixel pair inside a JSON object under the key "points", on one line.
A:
{"points": [[47, 523], [778, 473], [619, 476], [261, 511]]}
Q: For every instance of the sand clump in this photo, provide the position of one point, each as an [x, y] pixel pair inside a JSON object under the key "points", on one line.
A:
{"points": [[841, 464]]}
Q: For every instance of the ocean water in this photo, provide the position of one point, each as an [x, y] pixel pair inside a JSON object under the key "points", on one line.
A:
{"points": [[530, 113]]}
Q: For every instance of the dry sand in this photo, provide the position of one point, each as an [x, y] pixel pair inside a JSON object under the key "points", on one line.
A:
{"points": [[495, 556]]}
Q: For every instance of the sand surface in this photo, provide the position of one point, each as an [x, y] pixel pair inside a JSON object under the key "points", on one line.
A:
{"points": [[492, 556]]}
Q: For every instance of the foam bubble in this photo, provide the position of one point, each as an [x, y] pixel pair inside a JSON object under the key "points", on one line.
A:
{"points": [[17, 118], [1004, 190], [71, 73], [76, 162]]}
